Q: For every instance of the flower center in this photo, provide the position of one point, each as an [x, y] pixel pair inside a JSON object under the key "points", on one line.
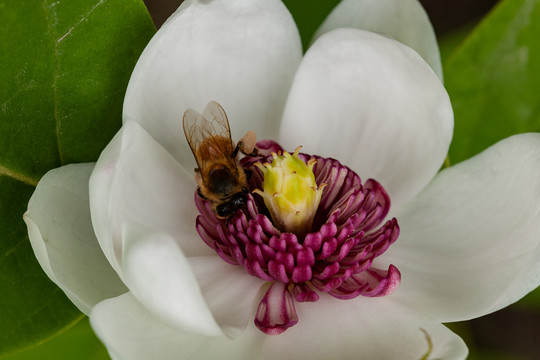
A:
{"points": [[290, 192], [301, 238]]}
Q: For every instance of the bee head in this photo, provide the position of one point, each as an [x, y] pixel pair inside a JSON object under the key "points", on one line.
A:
{"points": [[237, 201]]}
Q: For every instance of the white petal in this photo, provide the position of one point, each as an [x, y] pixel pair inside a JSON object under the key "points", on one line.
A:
{"points": [[470, 243], [230, 292], [131, 333], [159, 276], [362, 328], [100, 185], [373, 104], [242, 54], [404, 20], [61, 234], [136, 180]]}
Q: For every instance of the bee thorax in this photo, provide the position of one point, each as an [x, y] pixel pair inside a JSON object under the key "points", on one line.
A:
{"points": [[222, 181]]}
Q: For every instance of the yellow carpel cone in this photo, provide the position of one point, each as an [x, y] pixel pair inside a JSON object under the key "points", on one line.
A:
{"points": [[290, 192]]}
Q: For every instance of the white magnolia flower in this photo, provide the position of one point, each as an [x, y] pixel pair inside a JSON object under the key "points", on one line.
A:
{"points": [[119, 236]]}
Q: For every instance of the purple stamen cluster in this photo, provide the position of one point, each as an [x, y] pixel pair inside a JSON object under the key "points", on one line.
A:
{"points": [[335, 257]]}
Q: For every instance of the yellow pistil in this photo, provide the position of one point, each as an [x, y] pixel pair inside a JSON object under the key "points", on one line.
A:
{"points": [[290, 192]]}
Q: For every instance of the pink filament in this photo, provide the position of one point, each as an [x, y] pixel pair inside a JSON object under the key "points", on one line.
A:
{"points": [[336, 257]]}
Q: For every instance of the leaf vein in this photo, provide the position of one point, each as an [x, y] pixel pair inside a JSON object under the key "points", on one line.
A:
{"points": [[55, 76], [18, 176], [85, 17]]}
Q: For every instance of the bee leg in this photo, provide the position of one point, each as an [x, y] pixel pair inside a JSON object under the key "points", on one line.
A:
{"points": [[255, 152], [235, 151], [201, 194], [247, 144], [198, 178], [248, 172]]}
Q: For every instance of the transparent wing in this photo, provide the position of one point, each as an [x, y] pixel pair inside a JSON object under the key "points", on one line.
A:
{"points": [[218, 121], [213, 122]]}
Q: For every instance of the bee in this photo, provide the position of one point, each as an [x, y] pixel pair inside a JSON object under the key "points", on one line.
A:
{"points": [[219, 176]]}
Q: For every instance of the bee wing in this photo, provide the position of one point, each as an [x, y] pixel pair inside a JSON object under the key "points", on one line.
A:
{"points": [[214, 113], [192, 131], [199, 127]]}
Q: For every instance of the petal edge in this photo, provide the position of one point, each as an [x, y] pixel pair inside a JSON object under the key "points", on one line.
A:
{"points": [[470, 243]]}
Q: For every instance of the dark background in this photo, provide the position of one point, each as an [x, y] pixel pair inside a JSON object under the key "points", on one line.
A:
{"points": [[445, 15]]}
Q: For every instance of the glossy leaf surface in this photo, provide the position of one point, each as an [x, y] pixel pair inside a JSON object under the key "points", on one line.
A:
{"points": [[65, 67]]}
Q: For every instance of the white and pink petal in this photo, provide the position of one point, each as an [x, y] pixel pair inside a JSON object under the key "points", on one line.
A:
{"points": [[242, 54], [229, 291], [404, 20], [138, 181], [130, 332], [161, 279], [375, 105], [362, 328], [469, 243], [61, 235]]}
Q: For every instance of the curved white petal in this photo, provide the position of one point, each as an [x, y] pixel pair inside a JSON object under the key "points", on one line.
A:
{"points": [[136, 180], [362, 328], [195, 294], [373, 104], [404, 20], [230, 292], [242, 54], [131, 333], [100, 185], [61, 234], [159, 276], [470, 243]]}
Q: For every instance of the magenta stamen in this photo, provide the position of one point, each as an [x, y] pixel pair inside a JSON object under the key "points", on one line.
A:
{"points": [[336, 257], [303, 293], [276, 312]]}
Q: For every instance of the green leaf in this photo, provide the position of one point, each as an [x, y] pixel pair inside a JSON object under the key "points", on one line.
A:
{"points": [[450, 41], [309, 15], [65, 67], [494, 79], [78, 342]]}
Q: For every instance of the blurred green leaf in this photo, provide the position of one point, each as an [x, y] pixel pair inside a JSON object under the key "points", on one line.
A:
{"points": [[494, 79], [65, 67], [309, 15], [78, 342], [450, 41]]}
